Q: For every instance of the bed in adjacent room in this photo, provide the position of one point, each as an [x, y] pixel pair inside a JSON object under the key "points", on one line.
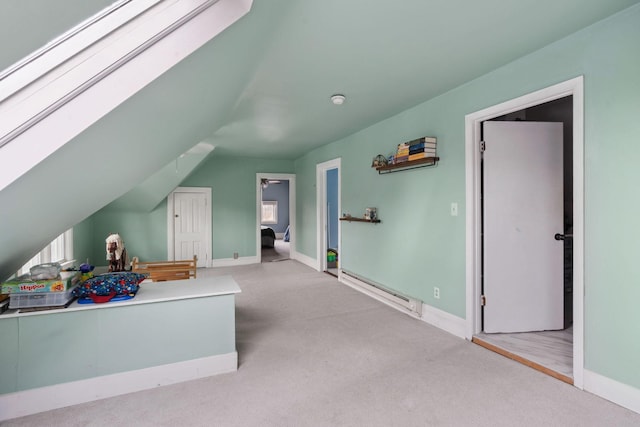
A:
{"points": [[268, 236]]}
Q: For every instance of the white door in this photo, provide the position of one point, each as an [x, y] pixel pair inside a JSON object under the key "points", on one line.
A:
{"points": [[190, 226], [522, 211]]}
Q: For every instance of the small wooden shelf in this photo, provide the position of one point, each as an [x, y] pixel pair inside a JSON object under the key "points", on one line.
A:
{"points": [[356, 219], [420, 163]]}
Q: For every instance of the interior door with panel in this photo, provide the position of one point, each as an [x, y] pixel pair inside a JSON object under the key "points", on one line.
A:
{"points": [[190, 226], [522, 212]]}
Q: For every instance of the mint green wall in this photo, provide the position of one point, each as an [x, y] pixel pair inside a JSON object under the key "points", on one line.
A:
{"points": [[92, 343], [144, 233], [83, 241], [419, 246], [233, 186]]}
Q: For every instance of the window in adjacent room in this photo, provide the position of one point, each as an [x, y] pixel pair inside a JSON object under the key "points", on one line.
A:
{"points": [[269, 212]]}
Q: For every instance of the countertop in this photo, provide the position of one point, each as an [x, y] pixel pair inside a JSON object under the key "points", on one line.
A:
{"points": [[153, 292]]}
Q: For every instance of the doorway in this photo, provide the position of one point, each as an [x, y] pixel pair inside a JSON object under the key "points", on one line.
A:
{"points": [[328, 211], [189, 224], [537, 106], [274, 221], [275, 216]]}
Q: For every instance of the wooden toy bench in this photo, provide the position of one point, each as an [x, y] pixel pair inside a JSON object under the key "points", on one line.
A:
{"points": [[160, 271]]}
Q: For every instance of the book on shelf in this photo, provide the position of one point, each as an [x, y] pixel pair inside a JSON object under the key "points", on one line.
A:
{"points": [[418, 156], [421, 145], [429, 139], [403, 152], [401, 159], [423, 150]]}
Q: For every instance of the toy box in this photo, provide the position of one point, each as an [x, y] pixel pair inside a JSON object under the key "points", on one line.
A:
{"points": [[24, 284], [40, 299]]}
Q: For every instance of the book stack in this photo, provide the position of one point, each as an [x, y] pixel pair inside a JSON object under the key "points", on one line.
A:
{"points": [[422, 148], [402, 153], [413, 150]]}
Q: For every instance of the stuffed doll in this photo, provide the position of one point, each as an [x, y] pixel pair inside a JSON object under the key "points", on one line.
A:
{"points": [[116, 253]]}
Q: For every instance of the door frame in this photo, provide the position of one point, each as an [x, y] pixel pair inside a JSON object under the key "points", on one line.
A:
{"points": [[292, 209], [321, 210], [208, 222], [473, 122]]}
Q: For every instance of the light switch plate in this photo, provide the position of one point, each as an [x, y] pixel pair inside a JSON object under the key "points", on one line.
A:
{"points": [[454, 209]]}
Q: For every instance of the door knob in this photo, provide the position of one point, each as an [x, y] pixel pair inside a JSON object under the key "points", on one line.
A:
{"points": [[559, 236]]}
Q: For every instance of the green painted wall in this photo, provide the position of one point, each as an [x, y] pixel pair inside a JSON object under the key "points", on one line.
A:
{"points": [[83, 242], [144, 234], [233, 186], [418, 245], [91, 343]]}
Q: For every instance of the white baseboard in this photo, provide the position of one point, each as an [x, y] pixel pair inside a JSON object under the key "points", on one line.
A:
{"points": [[231, 262], [446, 321], [304, 259], [617, 392], [27, 402], [440, 319]]}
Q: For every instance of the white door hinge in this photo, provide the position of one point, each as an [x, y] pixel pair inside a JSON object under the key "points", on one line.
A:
{"points": [[483, 300], [483, 146]]}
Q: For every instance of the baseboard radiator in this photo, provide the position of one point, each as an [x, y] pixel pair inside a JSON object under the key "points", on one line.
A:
{"points": [[393, 298]]}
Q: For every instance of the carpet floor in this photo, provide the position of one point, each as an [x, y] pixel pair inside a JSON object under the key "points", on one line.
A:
{"points": [[314, 352], [279, 252]]}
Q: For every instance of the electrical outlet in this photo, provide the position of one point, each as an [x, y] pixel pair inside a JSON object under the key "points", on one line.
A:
{"points": [[436, 292], [235, 255]]}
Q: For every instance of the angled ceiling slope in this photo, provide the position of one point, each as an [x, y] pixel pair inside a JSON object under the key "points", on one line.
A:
{"points": [[153, 190], [86, 153]]}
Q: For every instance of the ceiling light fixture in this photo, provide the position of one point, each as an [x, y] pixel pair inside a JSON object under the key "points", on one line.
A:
{"points": [[338, 99]]}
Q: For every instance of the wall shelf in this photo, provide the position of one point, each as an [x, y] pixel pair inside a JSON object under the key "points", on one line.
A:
{"points": [[397, 167], [356, 219]]}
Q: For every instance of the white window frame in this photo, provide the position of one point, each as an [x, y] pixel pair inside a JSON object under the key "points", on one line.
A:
{"points": [[64, 243], [274, 205]]}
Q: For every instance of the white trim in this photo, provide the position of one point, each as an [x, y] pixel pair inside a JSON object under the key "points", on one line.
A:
{"points": [[68, 244], [208, 222], [39, 124], [321, 210], [234, 262], [473, 121], [70, 44], [615, 391], [27, 402], [304, 259], [292, 208], [446, 321]]}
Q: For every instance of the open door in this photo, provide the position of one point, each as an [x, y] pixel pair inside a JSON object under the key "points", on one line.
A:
{"points": [[332, 222], [328, 211], [522, 212]]}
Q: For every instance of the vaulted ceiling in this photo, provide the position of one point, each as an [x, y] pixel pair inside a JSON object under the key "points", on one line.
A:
{"points": [[262, 88]]}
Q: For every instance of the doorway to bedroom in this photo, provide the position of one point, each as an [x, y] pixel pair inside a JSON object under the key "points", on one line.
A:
{"points": [[328, 211], [275, 213]]}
